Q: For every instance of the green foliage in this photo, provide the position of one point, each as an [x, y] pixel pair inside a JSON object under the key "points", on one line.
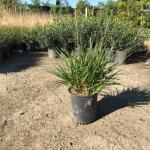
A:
{"points": [[88, 72], [28, 35], [58, 6], [6, 36], [49, 37], [88, 32], [17, 35], [80, 7], [67, 34], [36, 2], [122, 36], [60, 35], [85, 33], [47, 3], [110, 32], [9, 4], [130, 10]]}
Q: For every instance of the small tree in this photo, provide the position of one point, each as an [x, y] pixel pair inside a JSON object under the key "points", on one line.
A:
{"points": [[58, 6], [36, 4], [81, 5], [47, 3], [129, 10]]}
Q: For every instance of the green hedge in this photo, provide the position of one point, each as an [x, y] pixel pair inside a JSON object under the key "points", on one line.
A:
{"points": [[85, 33]]}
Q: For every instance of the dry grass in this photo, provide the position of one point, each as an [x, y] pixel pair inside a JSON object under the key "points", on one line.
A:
{"points": [[28, 19]]}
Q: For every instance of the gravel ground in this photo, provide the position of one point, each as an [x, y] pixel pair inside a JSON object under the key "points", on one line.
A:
{"points": [[34, 117]]}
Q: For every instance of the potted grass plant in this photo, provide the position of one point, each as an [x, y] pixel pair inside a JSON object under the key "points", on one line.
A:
{"points": [[86, 74]]}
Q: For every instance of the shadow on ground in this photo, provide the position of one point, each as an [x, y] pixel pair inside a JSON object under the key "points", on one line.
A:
{"points": [[131, 97], [138, 56], [19, 62]]}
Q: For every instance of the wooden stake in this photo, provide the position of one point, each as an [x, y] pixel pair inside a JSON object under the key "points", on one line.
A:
{"points": [[86, 12]]}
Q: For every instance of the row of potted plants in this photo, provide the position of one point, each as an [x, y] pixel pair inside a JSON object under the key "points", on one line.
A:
{"points": [[69, 34], [114, 34], [16, 38]]}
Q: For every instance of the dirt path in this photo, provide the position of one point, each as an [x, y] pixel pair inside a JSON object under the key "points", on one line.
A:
{"points": [[32, 117]]}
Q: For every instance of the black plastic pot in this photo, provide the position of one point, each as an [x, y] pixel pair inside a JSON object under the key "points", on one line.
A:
{"points": [[84, 108], [1, 55], [6, 52], [120, 57]]}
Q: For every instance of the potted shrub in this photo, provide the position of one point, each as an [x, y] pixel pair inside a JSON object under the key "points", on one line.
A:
{"points": [[49, 38], [67, 36], [124, 37], [86, 74], [88, 32]]}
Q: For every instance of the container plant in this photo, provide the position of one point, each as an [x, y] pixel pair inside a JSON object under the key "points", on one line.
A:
{"points": [[57, 36], [125, 39], [49, 37], [86, 74], [89, 32]]}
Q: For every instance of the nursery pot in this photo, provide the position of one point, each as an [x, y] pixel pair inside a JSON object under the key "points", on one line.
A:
{"points": [[30, 46], [120, 57], [1, 54], [84, 107], [6, 52]]}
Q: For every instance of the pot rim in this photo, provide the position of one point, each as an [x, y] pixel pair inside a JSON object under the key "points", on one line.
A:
{"points": [[69, 89]]}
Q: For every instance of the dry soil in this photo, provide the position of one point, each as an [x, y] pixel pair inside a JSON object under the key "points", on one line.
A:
{"points": [[36, 116]]}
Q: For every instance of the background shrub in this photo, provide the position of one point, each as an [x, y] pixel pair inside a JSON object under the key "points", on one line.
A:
{"points": [[59, 36], [89, 32], [123, 36], [67, 30], [49, 37], [112, 33]]}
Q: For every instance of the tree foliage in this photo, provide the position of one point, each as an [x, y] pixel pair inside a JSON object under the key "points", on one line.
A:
{"points": [[129, 10], [47, 3], [81, 5], [36, 2], [9, 4]]}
